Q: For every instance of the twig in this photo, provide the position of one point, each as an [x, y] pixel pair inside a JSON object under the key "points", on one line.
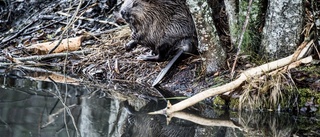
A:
{"points": [[89, 19], [244, 28], [66, 108], [41, 57], [38, 28], [5, 64], [35, 69], [315, 47], [109, 30], [53, 116], [72, 20]]}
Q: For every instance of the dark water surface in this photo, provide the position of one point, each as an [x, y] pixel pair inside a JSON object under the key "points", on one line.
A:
{"points": [[39, 109]]}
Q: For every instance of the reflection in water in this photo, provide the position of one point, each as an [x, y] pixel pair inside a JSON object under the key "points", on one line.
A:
{"points": [[101, 117], [31, 108]]}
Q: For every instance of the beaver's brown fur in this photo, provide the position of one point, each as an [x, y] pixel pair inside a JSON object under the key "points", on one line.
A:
{"points": [[164, 26]]}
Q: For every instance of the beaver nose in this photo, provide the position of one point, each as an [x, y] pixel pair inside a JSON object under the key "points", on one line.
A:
{"points": [[123, 13]]}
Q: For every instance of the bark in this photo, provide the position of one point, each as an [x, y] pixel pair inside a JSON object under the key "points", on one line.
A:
{"points": [[209, 43], [231, 9], [283, 26]]}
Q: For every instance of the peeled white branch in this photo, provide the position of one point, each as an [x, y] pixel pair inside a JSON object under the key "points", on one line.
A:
{"points": [[248, 74]]}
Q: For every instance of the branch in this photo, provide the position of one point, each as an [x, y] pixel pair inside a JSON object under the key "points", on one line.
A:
{"points": [[89, 19], [244, 28], [55, 55], [248, 74]]}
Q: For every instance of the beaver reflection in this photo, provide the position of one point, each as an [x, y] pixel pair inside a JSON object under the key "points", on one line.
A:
{"points": [[164, 26]]}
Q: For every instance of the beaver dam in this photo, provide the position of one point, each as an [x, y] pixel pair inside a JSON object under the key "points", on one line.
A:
{"points": [[92, 52]]}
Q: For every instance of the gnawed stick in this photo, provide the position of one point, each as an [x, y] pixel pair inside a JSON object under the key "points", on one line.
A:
{"points": [[248, 74], [68, 44]]}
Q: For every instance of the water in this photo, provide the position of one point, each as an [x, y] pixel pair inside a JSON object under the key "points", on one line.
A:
{"points": [[37, 108]]}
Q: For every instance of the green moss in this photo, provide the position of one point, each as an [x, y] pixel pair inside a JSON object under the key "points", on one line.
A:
{"points": [[313, 68], [234, 104], [305, 92], [307, 95], [317, 101], [219, 81], [219, 102]]}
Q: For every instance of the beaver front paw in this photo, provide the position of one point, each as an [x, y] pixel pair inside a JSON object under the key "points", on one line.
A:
{"points": [[130, 45]]}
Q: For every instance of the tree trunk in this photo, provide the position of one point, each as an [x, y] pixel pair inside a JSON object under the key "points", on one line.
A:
{"points": [[232, 11], [283, 27], [209, 43]]}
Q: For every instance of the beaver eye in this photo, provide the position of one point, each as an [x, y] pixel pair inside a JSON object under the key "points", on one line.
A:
{"points": [[134, 4]]}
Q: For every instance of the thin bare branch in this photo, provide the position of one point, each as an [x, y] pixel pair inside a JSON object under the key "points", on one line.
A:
{"points": [[244, 28]]}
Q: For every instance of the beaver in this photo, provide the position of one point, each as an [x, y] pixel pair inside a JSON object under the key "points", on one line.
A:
{"points": [[164, 26]]}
